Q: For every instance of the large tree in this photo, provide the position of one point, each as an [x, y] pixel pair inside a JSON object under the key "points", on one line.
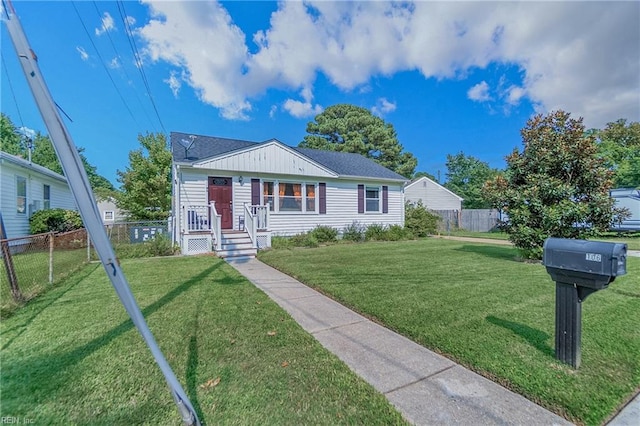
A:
{"points": [[556, 187], [43, 153], [619, 146], [466, 176], [146, 182], [349, 128]]}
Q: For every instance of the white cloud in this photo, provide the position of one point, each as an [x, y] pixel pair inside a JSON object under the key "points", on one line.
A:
{"points": [[174, 83], [305, 108], [479, 92], [27, 132], [592, 73], [114, 63], [130, 20], [382, 107], [273, 110], [83, 53], [107, 24]]}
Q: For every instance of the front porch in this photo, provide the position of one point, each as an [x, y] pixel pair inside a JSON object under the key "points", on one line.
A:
{"points": [[201, 231]]}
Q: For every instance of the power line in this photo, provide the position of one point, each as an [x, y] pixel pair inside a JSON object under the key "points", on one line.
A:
{"points": [[124, 69], [136, 55], [103, 63], [13, 93]]}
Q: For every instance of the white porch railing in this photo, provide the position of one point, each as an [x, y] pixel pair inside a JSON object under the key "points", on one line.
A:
{"points": [[202, 219], [256, 218]]}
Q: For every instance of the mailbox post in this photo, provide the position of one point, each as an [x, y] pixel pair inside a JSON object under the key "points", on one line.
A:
{"points": [[579, 268]]}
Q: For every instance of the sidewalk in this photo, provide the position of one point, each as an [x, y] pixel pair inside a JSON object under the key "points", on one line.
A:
{"points": [[425, 387]]}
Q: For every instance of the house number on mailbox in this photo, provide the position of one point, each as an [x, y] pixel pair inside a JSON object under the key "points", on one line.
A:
{"points": [[593, 257]]}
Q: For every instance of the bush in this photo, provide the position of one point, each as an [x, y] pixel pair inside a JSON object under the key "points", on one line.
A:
{"points": [[324, 234], [376, 232], [398, 233], [54, 220], [278, 242], [420, 221], [304, 240], [353, 232]]}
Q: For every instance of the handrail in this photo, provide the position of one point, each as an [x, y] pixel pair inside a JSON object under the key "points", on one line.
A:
{"points": [[250, 224], [216, 227]]}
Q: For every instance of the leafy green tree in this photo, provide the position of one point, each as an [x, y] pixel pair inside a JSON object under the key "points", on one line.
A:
{"points": [[349, 128], [419, 220], [466, 176], [619, 146], [556, 187], [146, 184], [10, 140]]}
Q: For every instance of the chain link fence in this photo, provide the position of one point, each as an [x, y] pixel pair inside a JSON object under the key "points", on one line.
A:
{"points": [[33, 263]]}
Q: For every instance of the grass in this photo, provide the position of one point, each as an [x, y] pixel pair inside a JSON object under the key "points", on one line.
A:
{"points": [[72, 356], [478, 306]]}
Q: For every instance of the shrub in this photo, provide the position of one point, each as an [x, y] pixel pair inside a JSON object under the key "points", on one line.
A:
{"points": [[324, 234], [304, 240], [398, 233], [354, 232], [420, 221], [54, 220], [159, 245], [376, 232], [279, 242]]}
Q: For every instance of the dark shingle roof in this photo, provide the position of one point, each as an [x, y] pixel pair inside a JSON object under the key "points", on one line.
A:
{"points": [[342, 163]]}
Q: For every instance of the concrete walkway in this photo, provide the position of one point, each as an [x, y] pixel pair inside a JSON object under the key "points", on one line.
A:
{"points": [[428, 389]]}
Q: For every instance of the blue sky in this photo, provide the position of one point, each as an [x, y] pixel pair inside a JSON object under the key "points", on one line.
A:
{"points": [[449, 76]]}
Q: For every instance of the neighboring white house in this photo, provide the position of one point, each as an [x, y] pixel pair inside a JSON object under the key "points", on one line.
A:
{"points": [[628, 198], [27, 187], [109, 212], [433, 195], [223, 185]]}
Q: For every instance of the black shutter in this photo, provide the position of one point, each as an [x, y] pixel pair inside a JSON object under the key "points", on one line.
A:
{"points": [[255, 192], [385, 199], [360, 198], [322, 198]]}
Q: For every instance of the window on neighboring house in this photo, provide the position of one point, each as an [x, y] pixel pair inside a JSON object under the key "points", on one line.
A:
{"points": [[108, 215], [46, 197], [290, 197], [372, 199], [268, 194], [21, 194], [310, 197]]}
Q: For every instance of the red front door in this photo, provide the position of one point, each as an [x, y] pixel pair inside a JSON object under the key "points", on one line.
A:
{"points": [[220, 191]]}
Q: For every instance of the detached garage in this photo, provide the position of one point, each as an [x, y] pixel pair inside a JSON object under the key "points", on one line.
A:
{"points": [[433, 195]]}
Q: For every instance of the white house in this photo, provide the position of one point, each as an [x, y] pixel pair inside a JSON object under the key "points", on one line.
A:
{"points": [[109, 212], [433, 195], [628, 198], [27, 187], [226, 188]]}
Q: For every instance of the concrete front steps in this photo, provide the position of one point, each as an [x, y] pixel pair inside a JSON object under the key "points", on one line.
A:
{"points": [[236, 245]]}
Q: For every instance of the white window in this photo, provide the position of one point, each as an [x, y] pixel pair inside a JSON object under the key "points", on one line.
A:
{"points": [[21, 194], [372, 199], [46, 197], [288, 197], [108, 215]]}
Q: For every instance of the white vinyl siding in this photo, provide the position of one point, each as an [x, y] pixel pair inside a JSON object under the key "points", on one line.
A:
{"points": [[270, 158], [433, 195], [341, 202], [35, 178]]}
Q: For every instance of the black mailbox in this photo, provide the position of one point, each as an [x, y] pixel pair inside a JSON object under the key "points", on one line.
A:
{"points": [[579, 268], [592, 264]]}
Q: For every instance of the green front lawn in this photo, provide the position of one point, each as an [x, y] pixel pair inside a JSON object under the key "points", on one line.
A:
{"points": [[479, 306], [72, 356]]}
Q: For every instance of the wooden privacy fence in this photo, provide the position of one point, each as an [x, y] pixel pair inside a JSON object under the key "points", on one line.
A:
{"points": [[476, 220]]}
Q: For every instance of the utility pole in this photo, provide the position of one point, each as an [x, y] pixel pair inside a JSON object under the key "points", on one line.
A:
{"points": [[81, 189]]}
